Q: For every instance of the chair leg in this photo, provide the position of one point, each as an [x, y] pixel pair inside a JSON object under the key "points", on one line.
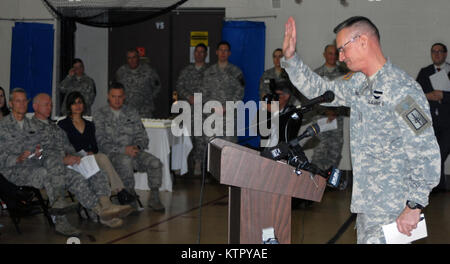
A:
{"points": [[139, 201], [44, 207], [16, 221], [79, 207]]}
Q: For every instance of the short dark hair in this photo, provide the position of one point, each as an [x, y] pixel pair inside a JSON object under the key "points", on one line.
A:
{"points": [[77, 60], [116, 85], [223, 42], [202, 45], [356, 20], [440, 44], [326, 47], [132, 50], [71, 98], [277, 49]]}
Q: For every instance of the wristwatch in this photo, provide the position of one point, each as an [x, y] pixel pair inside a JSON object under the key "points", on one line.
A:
{"points": [[413, 205]]}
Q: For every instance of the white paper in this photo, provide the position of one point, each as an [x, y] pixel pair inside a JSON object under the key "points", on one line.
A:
{"points": [[440, 81], [34, 154], [324, 126], [268, 233], [82, 153], [393, 236], [87, 167]]}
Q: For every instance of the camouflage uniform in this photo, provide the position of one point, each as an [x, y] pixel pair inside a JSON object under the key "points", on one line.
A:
{"points": [[188, 83], [55, 147], [141, 87], [394, 152], [13, 142], [113, 135], [223, 85], [328, 152], [84, 84]]}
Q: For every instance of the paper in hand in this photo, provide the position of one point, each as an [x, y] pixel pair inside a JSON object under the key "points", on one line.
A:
{"points": [[393, 236], [88, 166], [440, 81]]}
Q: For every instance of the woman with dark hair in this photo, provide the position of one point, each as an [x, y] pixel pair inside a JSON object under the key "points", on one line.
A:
{"points": [[78, 81], [4, 110], [81, 134]]}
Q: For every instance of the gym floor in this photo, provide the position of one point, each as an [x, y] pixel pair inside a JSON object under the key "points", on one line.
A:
{"points": [[179, 224]]}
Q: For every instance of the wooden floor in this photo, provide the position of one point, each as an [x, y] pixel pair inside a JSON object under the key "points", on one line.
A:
{"points": [[179, 224]]}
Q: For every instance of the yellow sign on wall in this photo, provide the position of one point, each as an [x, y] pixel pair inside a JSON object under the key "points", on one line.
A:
{"points": [[198, 37]]}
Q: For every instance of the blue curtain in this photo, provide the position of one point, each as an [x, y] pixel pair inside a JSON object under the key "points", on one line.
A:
{"points": [[247, 40], [32, 58]]}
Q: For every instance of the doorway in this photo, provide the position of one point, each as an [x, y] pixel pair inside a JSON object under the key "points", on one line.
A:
{"points": [[166, 40]]}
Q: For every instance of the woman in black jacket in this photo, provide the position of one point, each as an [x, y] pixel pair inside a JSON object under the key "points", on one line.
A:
{"points": [[81, 134]]}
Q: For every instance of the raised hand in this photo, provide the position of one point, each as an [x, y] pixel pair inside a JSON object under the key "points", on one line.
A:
{"points": [[290, 38]]}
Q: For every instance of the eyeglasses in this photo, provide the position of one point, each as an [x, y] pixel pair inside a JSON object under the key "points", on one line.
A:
{"points": [[341, 49]]}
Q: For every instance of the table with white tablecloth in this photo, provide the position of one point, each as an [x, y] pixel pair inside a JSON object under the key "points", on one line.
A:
{"points": [[171, 150]]}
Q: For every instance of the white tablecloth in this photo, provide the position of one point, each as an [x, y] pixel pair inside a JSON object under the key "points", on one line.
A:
{"points": [[162, 141]]}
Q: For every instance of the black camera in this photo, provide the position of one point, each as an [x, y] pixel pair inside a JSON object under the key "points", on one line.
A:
{"points": [[272, 96]]}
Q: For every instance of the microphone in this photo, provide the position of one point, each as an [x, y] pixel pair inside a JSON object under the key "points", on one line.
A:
{"points": [[281, 151], [310, 131], [326, 97]]}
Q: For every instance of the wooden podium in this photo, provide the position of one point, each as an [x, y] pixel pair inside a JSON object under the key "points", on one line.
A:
{"points": [[260, 191]]}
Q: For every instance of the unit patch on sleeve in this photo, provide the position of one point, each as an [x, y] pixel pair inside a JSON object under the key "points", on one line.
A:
{"points": [[348, 76], [413, 115]]}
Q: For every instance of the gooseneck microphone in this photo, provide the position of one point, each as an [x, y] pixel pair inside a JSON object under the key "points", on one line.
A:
{"points": [[310, 131], [326, 97], [281, 151]]}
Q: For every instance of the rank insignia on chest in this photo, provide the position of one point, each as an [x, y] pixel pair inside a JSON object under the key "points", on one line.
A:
{"points": [[413, 115], [377, 94], [376, 99]]}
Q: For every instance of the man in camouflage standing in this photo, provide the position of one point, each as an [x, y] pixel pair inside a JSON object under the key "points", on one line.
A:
{"points": [[223, 82], [122, 137], [280, 79], [141, 83], [395, 155], [328, 152], [78, 81], [188, 83]]}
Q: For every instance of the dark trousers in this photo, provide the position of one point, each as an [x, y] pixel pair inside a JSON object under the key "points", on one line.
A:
{"points": [[443, 138]]}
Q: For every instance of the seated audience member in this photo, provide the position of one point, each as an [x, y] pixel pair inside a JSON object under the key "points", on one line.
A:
{"points": [[92, 193], [4, 111], [81, 134], [121, 135], [22, 161]]}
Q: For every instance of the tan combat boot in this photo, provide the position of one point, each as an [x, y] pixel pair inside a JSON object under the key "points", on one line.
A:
{"points": [[113, 223], [117, 211]]}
